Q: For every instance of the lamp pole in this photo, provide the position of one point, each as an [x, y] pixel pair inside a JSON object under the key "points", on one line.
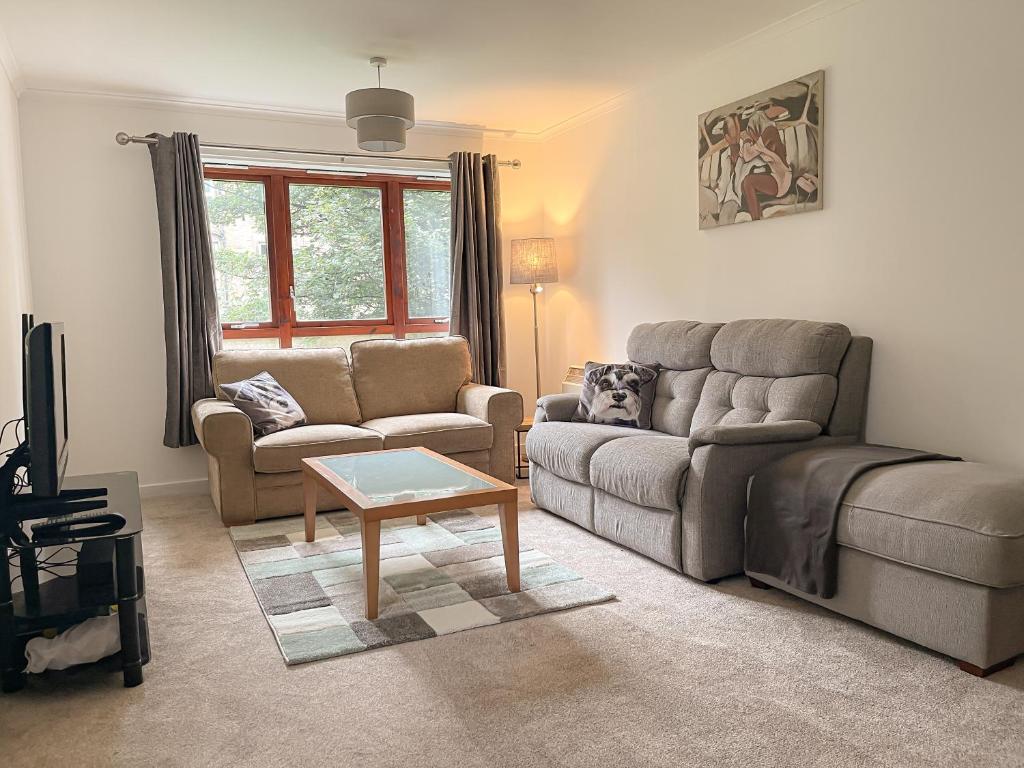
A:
{"points": [[534, 290]]}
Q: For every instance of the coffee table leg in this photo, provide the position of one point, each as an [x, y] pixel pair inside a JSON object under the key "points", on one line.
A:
{"points": [[309, 494], [421, 519], [370, 530], [508, 516]]}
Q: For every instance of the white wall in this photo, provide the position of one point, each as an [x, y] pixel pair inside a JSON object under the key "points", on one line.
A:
{"points": [[14, 270], [96, 265], [919, 243]]}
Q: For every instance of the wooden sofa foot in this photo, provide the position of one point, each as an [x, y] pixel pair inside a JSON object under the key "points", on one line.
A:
{"points": [[758, 584], [977, 671]]}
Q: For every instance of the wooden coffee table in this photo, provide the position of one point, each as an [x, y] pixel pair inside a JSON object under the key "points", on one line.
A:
{"points": [[407, 482]]}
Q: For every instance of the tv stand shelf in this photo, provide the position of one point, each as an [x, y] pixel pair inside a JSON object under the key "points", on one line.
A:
{"points": [[108, 572]]}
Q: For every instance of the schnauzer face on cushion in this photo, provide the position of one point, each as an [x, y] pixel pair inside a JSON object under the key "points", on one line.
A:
{"points": [[617, 394]]}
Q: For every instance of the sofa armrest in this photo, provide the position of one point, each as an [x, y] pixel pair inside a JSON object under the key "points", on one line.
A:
{"points": [[796, 430], [503, 410], [715, 501], [558, 407], [223, 430], [226, 435], [497, 406]]}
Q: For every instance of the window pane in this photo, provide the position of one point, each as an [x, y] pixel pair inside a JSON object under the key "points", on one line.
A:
{"points": [[338, 252], [238, 230], [341, 340], [273, 343], [427, 252]]}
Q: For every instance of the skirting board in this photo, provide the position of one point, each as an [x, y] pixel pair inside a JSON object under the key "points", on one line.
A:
{"points": [[195, 487]]}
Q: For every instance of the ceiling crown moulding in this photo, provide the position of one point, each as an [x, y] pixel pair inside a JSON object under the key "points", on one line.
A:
{"points": [[256, 111], [9, 65], [319, 117]]}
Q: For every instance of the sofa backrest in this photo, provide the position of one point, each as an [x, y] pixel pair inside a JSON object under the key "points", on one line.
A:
{"points": [[320, 380], [849, 416], [682, 348], [773, 370], [402, 377]]}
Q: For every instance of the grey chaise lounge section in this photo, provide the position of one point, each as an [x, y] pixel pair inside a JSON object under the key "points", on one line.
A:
{"points": [[730, 399], [934, 552]]}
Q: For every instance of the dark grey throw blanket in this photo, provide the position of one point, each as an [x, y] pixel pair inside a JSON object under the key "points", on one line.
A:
{"points": [[794, 505]]}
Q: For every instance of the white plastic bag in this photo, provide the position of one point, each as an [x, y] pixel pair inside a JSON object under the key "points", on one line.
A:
{"points": [[92, 640]]}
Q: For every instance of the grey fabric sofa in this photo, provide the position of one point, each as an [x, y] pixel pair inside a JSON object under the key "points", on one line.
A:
{"points": [[729, 399]]}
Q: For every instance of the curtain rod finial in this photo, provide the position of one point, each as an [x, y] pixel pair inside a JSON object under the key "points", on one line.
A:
{"points": [[122, 138]]}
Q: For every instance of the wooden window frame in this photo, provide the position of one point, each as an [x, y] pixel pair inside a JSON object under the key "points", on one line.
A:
{"points": [[285, 326]]}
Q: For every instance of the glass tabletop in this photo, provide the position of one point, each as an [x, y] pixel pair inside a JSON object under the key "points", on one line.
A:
{"points": [[403, 475]]}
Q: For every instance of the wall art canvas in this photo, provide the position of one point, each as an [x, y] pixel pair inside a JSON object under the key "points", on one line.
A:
{"points": [[760, 157]]}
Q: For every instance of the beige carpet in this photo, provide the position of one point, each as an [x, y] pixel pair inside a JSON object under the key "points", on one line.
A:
{"points": [[675, 673]]}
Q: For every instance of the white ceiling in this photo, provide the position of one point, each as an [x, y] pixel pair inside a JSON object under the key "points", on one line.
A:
{"points": [[522, 65]]}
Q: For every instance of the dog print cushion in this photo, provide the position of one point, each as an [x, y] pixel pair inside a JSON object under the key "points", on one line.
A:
{"points": [[266, 403], [617, 393]]}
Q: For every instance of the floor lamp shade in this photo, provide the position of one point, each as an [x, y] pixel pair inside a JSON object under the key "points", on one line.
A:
{"points": [[533, 261]]}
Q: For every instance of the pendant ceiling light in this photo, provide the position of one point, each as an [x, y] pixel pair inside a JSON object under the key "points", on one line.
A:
{"points": [[380, 116]]}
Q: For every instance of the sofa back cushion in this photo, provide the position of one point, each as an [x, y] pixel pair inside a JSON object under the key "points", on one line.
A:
{"points": [[780, 348], [683, 350], [320, 380], [772, 370], [731, 398], [402, 377]]}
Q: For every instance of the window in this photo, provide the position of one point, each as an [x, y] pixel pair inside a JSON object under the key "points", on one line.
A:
{"points": [[308, 259]]}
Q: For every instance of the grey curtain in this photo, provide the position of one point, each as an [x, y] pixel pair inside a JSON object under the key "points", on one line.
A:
{"points": [[478, 311], [192, 332]]}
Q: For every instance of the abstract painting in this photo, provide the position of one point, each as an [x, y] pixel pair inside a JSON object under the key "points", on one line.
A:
{"points": [[760, 157]]}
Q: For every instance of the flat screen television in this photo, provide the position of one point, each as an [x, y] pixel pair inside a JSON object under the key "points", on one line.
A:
{"points": [[46, 398]]}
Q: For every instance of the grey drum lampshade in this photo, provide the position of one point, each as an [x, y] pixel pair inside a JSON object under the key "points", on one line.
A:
{"points": [[533, 261], [381, 117]]}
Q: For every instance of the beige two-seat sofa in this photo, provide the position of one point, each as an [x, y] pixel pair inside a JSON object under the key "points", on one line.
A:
{"points": [[390, 394]]}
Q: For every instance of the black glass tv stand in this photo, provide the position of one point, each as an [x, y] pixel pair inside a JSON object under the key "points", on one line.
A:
{"points": [[107, 572]]}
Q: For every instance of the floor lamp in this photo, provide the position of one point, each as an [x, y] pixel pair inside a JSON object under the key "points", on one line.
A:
{"points": [[533, 264]]}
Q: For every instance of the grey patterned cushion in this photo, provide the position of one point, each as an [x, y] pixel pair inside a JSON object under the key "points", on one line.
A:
{"points": [[266, 403], [620, 394]]}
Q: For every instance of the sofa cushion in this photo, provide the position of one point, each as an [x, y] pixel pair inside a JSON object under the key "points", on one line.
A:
{"points": [[647, 470], [681, 345], [780, 347], [683, 350], [320, 380], [282, 451], [731, 398], [401, 377], [675, 400], [441, 432], [565, 448], [957, 518]]}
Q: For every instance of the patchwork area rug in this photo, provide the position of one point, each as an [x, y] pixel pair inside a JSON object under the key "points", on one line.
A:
{"points": [[438, 578]]}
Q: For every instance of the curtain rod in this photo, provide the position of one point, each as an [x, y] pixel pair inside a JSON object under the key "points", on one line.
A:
{"points": [[124, 139]]}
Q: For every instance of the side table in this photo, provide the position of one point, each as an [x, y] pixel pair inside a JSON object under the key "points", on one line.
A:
{"points": [[522, 461]]}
